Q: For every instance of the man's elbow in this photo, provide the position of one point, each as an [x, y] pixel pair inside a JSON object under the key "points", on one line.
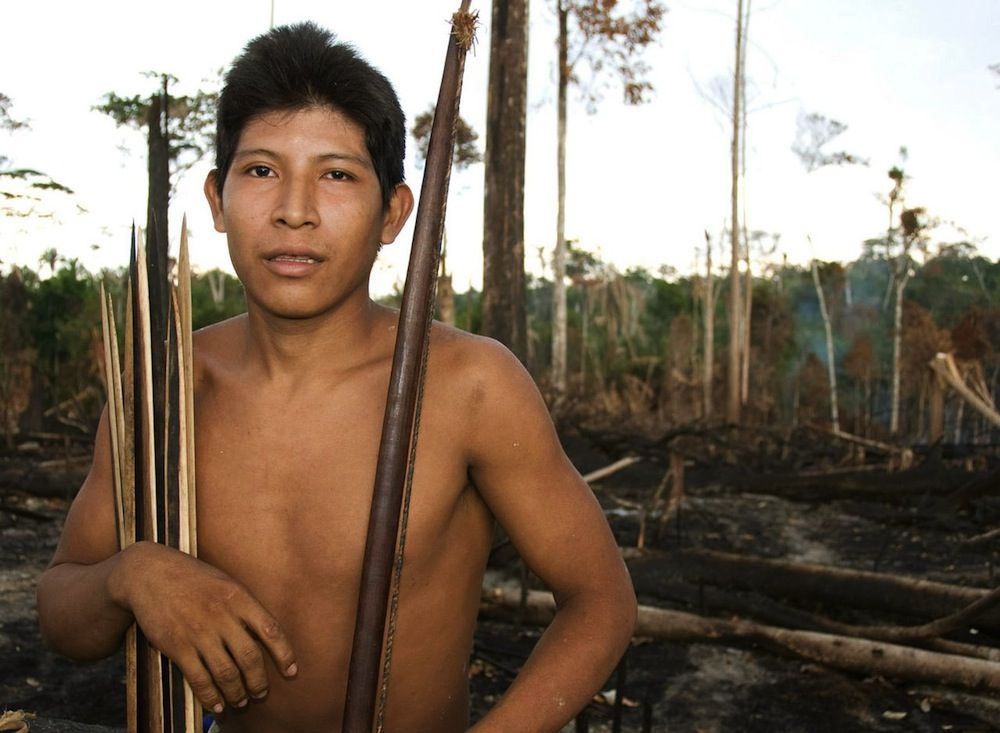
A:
{"points": [[616, 605], [58, 630], [627, 613]]}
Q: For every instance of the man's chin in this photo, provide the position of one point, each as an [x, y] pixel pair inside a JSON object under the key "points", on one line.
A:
{"points": [[292, 310]]}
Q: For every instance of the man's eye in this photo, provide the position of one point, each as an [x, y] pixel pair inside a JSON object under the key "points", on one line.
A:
{"points": [[260, 171], [338, 175]]}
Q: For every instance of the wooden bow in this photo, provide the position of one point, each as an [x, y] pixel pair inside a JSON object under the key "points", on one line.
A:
{"points": [[404, 385]]}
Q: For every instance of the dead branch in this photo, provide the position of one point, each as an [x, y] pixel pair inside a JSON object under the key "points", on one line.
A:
{"points": [[841, 652], [944, 365], [761, 608], [932, 629], [982, 707], [925, 599], [595, 476], [981, 539]]}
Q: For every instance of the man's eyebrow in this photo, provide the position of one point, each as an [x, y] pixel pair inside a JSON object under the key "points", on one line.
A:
{"points": [[265, 152], [365, 161], [255, 151]]}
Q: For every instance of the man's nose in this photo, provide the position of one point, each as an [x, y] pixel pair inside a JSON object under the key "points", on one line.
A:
{"points": [[297, 206]]}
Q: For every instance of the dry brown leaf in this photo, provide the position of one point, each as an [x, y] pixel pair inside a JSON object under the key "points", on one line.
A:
{"points": [[15, 721]]}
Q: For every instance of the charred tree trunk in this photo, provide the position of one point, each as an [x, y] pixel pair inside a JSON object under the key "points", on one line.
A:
{"points": [[503, 305], [158, 167]]}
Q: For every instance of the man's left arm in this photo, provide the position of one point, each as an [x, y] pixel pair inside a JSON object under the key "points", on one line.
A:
{"points": [[559, 529]]}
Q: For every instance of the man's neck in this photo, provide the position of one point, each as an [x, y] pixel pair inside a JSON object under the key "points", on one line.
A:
{"points": [[327, 344]]}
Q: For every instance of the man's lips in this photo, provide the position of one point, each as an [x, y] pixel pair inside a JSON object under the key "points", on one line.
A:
{"points": [[293, 258], [292, 264]]}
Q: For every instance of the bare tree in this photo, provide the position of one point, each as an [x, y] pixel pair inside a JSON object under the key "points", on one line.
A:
{"points": [[708, 309], [604, 37], [466, 153], [28, 183], [815, 132], [897, 245], [178, 133], [503, 300], [831, 363], [913, 227], [735, 305]]}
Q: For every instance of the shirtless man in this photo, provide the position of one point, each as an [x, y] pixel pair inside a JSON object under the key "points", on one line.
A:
{"points": [[289, 405]]}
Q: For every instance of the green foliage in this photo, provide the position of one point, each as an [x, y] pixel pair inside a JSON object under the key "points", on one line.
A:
{"points": [[64, 319], [215, 296], [955, 281], [637, 328], [17, 355]]}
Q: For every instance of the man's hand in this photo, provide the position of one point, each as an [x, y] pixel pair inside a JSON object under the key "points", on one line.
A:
{"points": [[204, 621]]}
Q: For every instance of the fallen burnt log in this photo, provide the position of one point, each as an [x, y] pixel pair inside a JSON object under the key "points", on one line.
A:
{"points": [[841, 652], [974, 488], [51, 482], [864, 483], [710, 600], [907, 597]]}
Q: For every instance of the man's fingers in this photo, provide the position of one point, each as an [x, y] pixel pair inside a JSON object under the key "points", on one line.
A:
{"points": [[246, 652], [202, 685], [227, 676], [266, 629]]}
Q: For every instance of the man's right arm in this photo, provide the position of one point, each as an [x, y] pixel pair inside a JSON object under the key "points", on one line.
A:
{"points": [[77, 614], [203, 620]]}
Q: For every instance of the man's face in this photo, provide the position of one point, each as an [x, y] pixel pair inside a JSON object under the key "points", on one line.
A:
{"points": [[303, 211]]}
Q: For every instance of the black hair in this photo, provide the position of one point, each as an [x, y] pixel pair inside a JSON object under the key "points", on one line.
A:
{"points": [[296, 66]]}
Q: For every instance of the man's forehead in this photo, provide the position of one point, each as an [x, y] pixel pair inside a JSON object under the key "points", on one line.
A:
{"points": [[323, 132]]}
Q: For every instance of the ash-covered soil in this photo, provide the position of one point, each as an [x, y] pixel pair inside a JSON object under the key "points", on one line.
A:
{"points": [[677, 687]]}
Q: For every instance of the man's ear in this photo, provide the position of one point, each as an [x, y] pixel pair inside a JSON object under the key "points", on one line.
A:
{"points": [[214, 200], [396, 214]]}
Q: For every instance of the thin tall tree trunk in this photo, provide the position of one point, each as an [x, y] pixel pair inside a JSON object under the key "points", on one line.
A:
{"points": [[897, 344], [709, 315], [831, 363], [745, 322], [868, 402], [559, 259], [445, 293], [748, 282], [583, 337], [503, 298], [735, 305]]}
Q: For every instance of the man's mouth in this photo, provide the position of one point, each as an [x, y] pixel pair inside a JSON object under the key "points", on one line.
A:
{"points": [[294, 258]]}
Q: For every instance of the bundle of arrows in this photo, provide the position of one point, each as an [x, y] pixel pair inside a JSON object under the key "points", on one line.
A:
{"points": [[151, 420]]}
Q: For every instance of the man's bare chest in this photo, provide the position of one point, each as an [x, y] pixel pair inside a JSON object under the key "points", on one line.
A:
{"points": [[291, 483]]}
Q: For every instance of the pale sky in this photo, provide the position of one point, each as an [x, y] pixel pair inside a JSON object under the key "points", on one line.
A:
{"points": [[644, 182]]}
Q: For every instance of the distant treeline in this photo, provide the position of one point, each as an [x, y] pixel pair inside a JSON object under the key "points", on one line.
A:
{"points": [[636, 341]]}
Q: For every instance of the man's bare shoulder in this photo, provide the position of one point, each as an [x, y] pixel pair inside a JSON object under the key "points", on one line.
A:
{"points": [[218, 345], [466, 360], [477, 377]]}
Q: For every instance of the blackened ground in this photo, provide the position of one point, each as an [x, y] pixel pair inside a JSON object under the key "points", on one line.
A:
{"points": [[684, 688]]}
